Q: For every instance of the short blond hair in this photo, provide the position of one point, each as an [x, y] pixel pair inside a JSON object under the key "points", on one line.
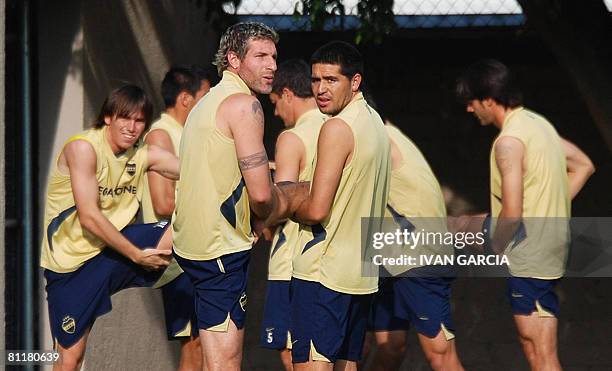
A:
{"points": [[236, 39]]}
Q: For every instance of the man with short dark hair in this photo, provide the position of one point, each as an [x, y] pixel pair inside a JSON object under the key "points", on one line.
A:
{"points": [[534, 175], [225, 175], [93, 192], [331, 296], [295, 151]]}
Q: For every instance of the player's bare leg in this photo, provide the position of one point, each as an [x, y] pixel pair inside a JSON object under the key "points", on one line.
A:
{"points": [[313, 366], [191, 355], [441, 353], [390, 350], [71, 358], [343, 365], [539, 338], [285, 356], [222, 351]]}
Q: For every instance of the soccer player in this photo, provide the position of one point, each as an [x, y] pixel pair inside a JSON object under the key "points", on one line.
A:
{"points": [[421, 296], [330, 295], [295, 150], [181, 89], [225, 176], [534, 175], [93, 192]]}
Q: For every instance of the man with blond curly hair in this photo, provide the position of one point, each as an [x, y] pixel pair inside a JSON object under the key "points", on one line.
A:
{"points": [[225, 177]]}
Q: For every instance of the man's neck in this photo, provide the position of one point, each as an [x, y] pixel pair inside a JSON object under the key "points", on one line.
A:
{"points": [[501, 113], [303, 105], [179, 115]]}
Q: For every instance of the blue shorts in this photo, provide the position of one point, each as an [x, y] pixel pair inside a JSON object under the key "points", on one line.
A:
{"points": [[528, 295], [382, 317], [179, 310], [77, 298], [220, 289], [325, 324], [277, 316], [425, 302]]}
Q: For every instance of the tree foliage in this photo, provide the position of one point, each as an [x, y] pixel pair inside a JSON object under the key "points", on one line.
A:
{"points": [[376, 19]]}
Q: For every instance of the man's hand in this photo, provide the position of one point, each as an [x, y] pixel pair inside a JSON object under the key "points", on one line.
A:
{"points": [[152, 259], [287, 198], [257, 226]]}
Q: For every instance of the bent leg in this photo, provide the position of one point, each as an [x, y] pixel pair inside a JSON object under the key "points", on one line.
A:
{"points": [[71, 358]]}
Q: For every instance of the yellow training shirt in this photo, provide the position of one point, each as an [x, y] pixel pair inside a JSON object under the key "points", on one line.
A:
{"points": [[415, 197], [362, 193], [285, 243], [174, 130], [66, 245], [212, 214], [542, 250]]}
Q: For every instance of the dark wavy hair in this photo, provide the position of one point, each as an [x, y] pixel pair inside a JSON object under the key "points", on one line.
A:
{"points": [[488, 78], [124, 102]]}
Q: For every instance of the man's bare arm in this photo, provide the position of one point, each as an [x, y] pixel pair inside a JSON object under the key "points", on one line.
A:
{"points": [[245, 119], [579, 167], [161, 188], [509, 154], [163, 162], [289, 157], [81, 161], [334, 149]]}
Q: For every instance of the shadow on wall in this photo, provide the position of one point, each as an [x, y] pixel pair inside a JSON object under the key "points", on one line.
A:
{"points": [[137, 41]]}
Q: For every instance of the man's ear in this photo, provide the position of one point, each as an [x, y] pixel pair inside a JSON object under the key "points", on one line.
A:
{"points": [[289, 94], [233, 60], [488, 102], [184, 98], [355, 82]]}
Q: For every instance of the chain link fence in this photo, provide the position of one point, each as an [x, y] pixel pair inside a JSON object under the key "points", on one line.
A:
{"points": [[408, 13]]}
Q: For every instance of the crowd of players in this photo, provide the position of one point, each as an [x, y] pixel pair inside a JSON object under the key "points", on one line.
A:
{"points": [[337, 162]]}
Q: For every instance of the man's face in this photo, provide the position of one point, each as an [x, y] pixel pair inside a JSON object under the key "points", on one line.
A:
{"points": [[124, 132], [481, 110], [282, 108], [332, 90], [204, 88], [258, 65]]}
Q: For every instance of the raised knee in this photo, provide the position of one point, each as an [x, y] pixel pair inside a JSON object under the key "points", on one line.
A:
{"points": [[70, 362]]}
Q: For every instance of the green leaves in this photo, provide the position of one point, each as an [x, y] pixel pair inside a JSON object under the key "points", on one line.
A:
{"points": [[376, 18]]}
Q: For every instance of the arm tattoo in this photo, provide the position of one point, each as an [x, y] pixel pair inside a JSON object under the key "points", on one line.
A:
{"points": [[502, 154], [258, 114], [253, 161]]}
